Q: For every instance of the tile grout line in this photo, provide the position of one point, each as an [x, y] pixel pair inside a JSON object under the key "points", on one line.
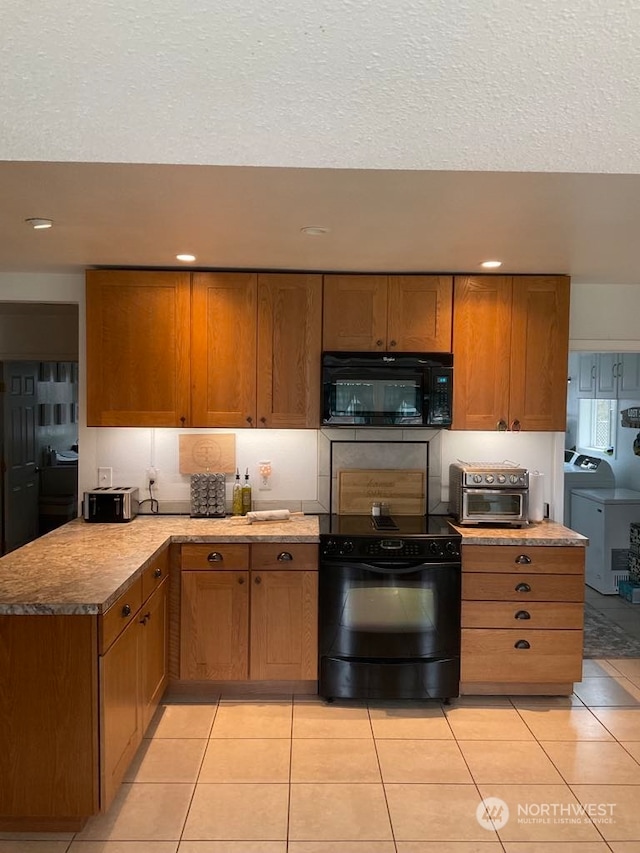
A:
{"points": [[382, 783], [195, 787]]}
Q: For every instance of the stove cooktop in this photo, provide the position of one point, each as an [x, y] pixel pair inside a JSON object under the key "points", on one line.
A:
{"points": [[401, 526]]}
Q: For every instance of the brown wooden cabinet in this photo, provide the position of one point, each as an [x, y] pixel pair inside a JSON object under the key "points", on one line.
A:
{"points": [[249, 612], [522, 618], [510, 347], [402, 313], [213, 350], [138, 348]]}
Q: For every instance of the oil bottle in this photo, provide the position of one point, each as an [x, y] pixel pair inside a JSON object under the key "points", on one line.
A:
{"points": [[246, 494], [236, 500]]}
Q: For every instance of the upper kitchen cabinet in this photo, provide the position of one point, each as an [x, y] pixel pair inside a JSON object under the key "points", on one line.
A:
{"points": [[510, 346], [606, 375], [255, 349], [289, 350], [223, 349], [137, 348], [403, 313]]}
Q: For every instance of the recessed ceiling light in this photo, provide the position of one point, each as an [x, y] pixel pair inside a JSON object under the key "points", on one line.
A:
{"points": [[39, 224], [491, 265], [315, 230], [188, 259]]}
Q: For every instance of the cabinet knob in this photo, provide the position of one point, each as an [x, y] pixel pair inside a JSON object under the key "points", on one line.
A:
{"points": [[379, 342], [214, 557], [257, 579], [522, 644], [183, 420], [240, 580], [501, 426], [523, 558], [145, 618], [157, 573], [249, 419], [522, 614], [126, 610], [523, 587], [393, 343], [284, 557], [263, 420]]}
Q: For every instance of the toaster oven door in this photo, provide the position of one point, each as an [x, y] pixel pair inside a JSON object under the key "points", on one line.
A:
{"points": [[500, 506]]}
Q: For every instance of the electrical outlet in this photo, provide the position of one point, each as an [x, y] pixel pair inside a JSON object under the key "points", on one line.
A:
{"points": [[152, 474], [105, 476]]}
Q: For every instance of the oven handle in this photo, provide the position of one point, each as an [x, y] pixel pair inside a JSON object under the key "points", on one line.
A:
{"points": [[392, 567]]}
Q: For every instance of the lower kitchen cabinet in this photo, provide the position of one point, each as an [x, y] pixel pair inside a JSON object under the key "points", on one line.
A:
{"points": [[249, 612], [522, 619]]}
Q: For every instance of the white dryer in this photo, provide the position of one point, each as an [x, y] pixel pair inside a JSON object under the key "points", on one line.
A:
{"points": [[584, 472]]}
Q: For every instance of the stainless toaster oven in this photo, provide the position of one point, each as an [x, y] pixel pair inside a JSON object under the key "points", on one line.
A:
{"points": [[489, 493], [109, 504]]}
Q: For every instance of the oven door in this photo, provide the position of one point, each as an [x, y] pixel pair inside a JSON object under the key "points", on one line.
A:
{"points": [[390, 610], [504, 506]]}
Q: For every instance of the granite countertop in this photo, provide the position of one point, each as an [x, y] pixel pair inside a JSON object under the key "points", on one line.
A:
{"points": [[534, 533], [81, 568]]}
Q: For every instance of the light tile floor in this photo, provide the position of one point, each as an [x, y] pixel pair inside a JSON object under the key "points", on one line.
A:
{"points": [[296, 775]]}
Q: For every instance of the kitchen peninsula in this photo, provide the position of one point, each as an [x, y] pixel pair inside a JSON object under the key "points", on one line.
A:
{"points": [[90, 635]]}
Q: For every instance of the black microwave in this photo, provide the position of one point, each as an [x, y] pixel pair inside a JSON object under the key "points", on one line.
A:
{"points": [[387, 389]]}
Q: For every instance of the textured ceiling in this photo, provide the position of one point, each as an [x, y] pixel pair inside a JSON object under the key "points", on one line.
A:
{"points": [[394, 84], [426, 134]]}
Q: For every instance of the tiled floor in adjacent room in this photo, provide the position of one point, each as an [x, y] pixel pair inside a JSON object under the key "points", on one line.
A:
{"points": [[296, 775]]}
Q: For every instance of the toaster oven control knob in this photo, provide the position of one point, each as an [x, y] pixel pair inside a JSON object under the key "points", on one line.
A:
{"points": [[513, 479], [347, 547], [502, 478], [477, 478], [489, 478]]}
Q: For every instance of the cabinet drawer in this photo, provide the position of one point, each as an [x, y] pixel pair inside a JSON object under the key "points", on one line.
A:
{"points": [[492, 656], [504, 587], [118, 616], [519, 558], [220, 557], [155, 573], [284, 555], [532, 615]]}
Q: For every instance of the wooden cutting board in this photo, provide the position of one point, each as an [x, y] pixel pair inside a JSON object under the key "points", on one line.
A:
{"points": [[402, 489], [200, 453]]}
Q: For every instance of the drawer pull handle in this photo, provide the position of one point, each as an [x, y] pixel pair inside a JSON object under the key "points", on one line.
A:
{"points": [[214, 557], [522, 614], [523, 559], [145, 618], [523, 587], [157, 573], [284, 557], [126, 610], [522, 644]]}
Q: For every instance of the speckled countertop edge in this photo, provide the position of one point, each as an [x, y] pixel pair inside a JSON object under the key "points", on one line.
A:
{"points": [[82, 568]]}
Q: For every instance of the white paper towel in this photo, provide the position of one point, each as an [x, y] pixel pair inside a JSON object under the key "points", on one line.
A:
{"points": [[536, 496]]}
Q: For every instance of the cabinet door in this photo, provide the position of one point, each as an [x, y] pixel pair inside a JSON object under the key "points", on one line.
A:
{"points": [[214, 626], [154, 621], [121, 727], [223, 349], [481, 351], [628, 376], [137, 348], [586, 367], [420, 313], [289, 348], [607, 376], [284, 625], [539, 352], [355, 313]]}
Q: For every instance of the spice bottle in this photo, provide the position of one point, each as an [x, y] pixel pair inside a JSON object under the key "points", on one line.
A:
{"points": [[246, 494], [236, 501]]}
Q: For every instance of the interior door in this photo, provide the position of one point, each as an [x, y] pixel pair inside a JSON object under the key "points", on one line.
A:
{"points": [[20, 478]]}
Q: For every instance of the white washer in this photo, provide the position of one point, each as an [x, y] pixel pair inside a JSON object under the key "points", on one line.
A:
{"points": [[584, 472]]}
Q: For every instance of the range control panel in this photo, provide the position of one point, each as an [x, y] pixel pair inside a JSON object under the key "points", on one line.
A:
{"points": [[439, 549]]}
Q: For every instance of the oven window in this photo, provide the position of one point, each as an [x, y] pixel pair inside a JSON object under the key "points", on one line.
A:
{"points": [[405, 608], [397, 401], [495, 504]]}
